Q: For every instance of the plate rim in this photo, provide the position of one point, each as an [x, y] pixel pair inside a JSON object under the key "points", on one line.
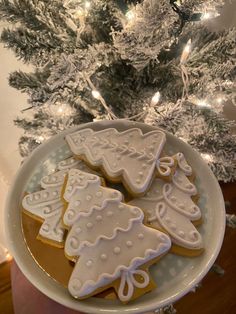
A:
{"points": [[14, 250]]}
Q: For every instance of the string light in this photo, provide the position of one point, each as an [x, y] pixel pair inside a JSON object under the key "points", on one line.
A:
{"points": [[8, 257], [96, 94], [61, 110], [207, 157], [219, 100], [155, 99], [130, 15], [41, 138], [87, 4], [202, 103], [5, 256], [186, 52], [209, 15]]}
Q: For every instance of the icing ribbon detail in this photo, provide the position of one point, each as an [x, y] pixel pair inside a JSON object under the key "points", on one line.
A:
{"points": [[164, 164], [128, 279]]}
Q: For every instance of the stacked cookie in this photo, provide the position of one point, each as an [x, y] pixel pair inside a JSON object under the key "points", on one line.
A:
{"points": [[112, 243]]}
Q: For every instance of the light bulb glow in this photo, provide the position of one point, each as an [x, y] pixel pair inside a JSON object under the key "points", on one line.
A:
{"points": [[130, 15], [5, 256], [209, 15], [207, 157], [41, 138], [220, 99], [186, 51], [155, 99], [87, 4], [96, 94], [8, 257], [78, 14], [202, 103], [60, 110]]}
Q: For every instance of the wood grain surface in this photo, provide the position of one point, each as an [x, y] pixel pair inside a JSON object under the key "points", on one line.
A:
{"points": [[215, 296]]}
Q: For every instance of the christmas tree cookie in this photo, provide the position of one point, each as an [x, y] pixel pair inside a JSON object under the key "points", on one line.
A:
{"points": [[130, 156], [170, 207], [46, 205], [108, 240]]}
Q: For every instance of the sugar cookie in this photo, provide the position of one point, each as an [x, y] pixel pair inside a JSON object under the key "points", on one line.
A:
{"points": [[130, 156], [46, 205], [169, 207], [107, 239]]}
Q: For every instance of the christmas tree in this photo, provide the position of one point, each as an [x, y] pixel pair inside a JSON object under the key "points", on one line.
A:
{"points": [[109, 238], [114, 59]]}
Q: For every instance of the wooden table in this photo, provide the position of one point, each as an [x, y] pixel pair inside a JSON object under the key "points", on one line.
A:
{"points": [[216, 296]]}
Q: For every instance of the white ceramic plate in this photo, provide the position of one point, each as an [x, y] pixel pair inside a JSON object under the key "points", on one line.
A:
{"points": [[174, 275]]}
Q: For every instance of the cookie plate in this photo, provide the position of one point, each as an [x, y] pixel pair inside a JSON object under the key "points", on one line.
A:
{"points": [[174, 275]]}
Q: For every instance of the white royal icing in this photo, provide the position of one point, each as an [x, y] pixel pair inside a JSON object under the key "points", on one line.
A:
{"points": [[170, 206], [180, 228], [72, 163], [183, 165], [84, 192], [54, 179], [129, 154], [101, 222], [101, 263], [164, 165], [128, 279], [52, 227], [108, 237], [47, 205], [69, 163]]}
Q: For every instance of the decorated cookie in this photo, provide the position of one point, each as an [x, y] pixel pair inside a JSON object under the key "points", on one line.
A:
{"points": [[46, 205], [107, 239], [130, 156], [169, 207]]}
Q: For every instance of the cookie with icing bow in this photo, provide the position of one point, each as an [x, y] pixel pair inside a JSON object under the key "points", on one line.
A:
{"points": [[108, 240], [130, 157], [170, 207]]}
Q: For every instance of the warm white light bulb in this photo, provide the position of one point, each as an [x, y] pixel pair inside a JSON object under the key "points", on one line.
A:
{"points": [[96, 94], [186, 51], [4, 255], [207, 157], [87, 4], [209, 15], [41, 138], [8, 257], [220, 100], [60, 110], [202, 103], [130, 15], [155, 99]]}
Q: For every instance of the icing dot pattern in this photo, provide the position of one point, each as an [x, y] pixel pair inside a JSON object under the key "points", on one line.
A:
{"points": [[102, 222], [121, 250], [170, 206]]}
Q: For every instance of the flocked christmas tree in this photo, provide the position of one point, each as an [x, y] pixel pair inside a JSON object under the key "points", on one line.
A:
{"points": [[107, 239], [107, 59]]}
